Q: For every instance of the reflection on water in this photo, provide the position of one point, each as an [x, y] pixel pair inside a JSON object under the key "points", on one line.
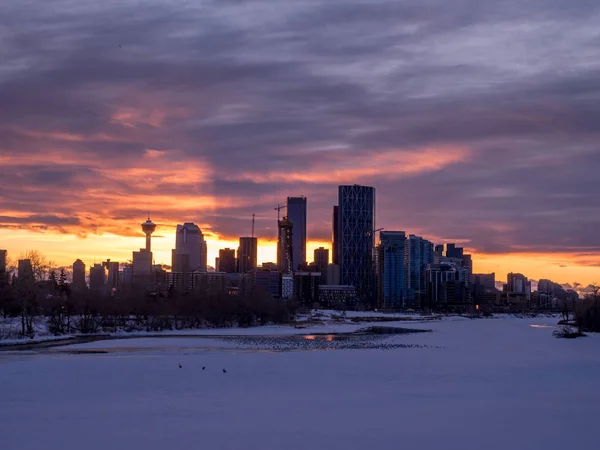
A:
{"points": [[542, 326]]}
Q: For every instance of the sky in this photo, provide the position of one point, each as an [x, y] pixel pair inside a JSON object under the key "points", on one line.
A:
{"points": [[478, 122]]}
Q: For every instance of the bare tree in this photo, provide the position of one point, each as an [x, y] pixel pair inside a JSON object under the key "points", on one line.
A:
{"points": [[39, 263]]}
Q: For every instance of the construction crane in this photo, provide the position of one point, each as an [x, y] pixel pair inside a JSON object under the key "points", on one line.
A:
{"points": [[278, 209], [372, 232]]}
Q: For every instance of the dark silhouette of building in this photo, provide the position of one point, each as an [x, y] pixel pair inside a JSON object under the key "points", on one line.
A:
{"points": [[97, 278], [356, 239], [391, 269], [285, 247], [269, 281], [296, 214], [335, 239], [112, 278], [227, 260], [25, 270], [306, 287], [190, 252], [2, 261], [321, 258], [445, 288], [79, 274], [247, 254], [452, 251], [419, 254]]}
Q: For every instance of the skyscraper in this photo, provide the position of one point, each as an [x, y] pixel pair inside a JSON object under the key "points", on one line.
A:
{"points": [[356, 233], [296, 213], [227, 260], [112, 279], [97, 278], [79, 274], [391, 269], [189, 241], [285, 246], [247, 254], [321, 258], [334, 235], [419, 254]]}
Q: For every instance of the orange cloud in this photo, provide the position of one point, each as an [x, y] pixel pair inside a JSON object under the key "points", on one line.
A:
{"points": [[349, 168]]}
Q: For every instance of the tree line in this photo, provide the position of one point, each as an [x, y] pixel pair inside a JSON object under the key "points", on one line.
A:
{"points": [[47, 295]]}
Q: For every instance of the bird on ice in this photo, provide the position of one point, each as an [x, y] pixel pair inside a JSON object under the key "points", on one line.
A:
{"points": [[180, 366], [203, 368], [224, 371]]}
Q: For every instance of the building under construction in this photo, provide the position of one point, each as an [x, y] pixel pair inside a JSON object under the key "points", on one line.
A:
{"points": [[285, 252]]}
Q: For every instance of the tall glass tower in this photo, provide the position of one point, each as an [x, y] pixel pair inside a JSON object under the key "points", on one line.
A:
{"points": [[391, 269], [296, 213], [356, 235]]}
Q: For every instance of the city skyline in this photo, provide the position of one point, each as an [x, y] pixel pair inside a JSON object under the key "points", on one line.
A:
{"points": [[196, 114]]}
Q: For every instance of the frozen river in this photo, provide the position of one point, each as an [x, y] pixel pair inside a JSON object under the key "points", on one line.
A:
{"points": [[493, 384]]}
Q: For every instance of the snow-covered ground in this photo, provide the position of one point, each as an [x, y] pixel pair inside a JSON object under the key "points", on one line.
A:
{"points": [[501, 383]]}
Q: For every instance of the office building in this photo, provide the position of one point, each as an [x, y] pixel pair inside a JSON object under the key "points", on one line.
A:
{"points": [[285, 247], [141, 266], [190, 253], [444, 287], [269, 281], [296, 214], [247, 254], [333, 275], [419, 254], [306, 287], [356, 236], [25, 270], [79, 274], [113, 277], [518, 284], [97, 278], [334, 236], [452, 251], [321, 259], [483, 289], [391, 269], [226, 260]]}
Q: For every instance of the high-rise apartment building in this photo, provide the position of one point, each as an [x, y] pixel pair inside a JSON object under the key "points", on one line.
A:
{"points": [[189, 241], [247, 254], [296, 214], [79, 274], [356, 233], [285, 246], [227, 260], [335, 239], [391, 269]]}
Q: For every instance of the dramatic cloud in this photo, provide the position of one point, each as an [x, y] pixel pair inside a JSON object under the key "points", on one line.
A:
{"points": [[476, 121]]}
